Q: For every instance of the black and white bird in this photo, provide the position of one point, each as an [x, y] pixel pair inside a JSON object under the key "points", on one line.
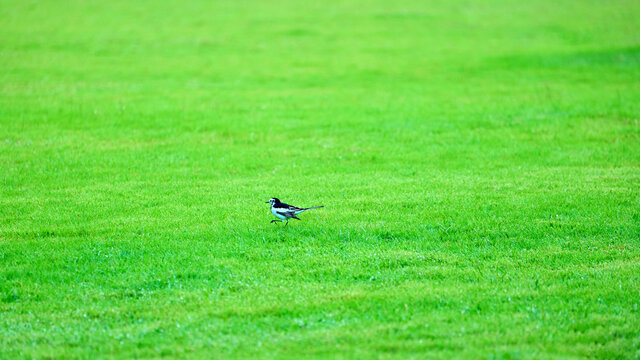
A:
{"points": [[284, 212]]}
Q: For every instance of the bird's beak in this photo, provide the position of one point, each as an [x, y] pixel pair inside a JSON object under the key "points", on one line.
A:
{"points": [[266, 202]]}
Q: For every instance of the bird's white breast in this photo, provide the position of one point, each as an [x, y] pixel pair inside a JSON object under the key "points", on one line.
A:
{"points": [[275, 213]]}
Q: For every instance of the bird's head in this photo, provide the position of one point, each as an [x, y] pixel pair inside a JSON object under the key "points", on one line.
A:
{"points": [[273, 201]]}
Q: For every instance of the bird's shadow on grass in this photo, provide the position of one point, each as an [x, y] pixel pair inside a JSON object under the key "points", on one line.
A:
{"points": [[309, 233], [299, 232], [281, 232]]}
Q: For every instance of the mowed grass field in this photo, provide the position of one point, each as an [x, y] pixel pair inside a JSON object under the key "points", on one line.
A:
{"points": [[479, 164]]}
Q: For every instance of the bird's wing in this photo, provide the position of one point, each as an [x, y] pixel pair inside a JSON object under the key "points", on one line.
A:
{"points": [[285, 212], [290, 207]]}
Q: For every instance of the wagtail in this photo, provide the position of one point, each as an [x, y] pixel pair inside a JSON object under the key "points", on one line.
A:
{"points": [[284, 212]]}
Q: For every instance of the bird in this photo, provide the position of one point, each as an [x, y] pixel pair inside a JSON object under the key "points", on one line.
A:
{"points": [[284, 212]]}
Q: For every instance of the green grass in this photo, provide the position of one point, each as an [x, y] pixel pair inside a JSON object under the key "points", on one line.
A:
{"points": [[479, 162]]}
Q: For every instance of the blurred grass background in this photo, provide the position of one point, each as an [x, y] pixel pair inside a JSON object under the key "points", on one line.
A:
{"points": [[478, 161]]}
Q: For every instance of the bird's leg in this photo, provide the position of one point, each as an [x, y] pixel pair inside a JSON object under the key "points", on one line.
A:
{"points": [[272, 221], [287, 223]]}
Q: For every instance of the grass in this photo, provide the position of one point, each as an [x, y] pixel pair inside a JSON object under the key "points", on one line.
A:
{"points": [[478, 160]]}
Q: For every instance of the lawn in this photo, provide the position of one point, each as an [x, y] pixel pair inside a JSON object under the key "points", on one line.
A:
{"points": [[479, 164]]}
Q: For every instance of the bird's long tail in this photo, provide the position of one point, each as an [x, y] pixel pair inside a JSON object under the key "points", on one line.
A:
{"points": [[315, 207]]}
